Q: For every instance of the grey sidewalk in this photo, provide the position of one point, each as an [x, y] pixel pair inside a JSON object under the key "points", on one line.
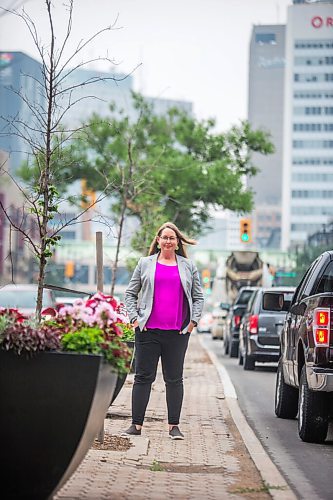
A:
{"points": [[212, 462]]}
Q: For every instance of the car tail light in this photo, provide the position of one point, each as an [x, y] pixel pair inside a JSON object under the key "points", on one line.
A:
{"points": [[253, 324], [321, 326], [237, 320]]}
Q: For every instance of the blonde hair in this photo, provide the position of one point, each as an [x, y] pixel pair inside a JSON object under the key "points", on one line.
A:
{"points": [[180, 236]]}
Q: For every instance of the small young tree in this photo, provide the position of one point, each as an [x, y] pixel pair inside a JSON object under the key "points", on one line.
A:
{"points": [[44, 135]]}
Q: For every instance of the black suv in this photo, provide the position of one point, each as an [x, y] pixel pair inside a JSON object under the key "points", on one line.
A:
{"points": [[304, 382], [259, 333], [233, 319]]}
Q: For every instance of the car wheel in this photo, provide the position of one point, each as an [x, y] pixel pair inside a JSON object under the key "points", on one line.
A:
{"points": [[233, 351], [249, 362], [286, 397], [240, 358], [312, 413]]}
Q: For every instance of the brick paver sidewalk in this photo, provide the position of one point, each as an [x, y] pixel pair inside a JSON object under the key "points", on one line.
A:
{"points": [[212, 462]]}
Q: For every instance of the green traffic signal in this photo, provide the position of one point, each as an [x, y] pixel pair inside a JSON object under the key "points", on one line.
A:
{"points": [[245, 237]]}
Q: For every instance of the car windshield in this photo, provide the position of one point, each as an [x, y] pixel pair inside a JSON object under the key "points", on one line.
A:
{"points": [[244, 297], [24, 299]]}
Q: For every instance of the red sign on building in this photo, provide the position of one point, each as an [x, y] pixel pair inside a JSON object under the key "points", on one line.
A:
{"points": [[320, 22]]}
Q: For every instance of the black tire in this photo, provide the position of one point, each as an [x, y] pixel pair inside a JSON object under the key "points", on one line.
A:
{"points": [[233, 351], [286, 397], [240, 357], [249, 362], [312, 413]]}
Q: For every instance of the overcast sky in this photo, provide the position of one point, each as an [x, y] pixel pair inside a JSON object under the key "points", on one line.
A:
{"points": [[195, 50]]}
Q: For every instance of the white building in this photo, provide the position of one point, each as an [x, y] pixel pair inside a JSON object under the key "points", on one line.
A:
{"points": [[307, 194]]}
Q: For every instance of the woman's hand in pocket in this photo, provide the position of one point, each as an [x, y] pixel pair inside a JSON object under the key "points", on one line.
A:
{"points": [[190, 327]]}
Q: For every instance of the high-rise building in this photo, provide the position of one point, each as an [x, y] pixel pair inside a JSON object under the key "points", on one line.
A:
{"points": [[265, 111], [307, 199], [20, 92]]}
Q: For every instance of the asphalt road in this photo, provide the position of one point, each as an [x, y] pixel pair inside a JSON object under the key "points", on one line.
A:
{"points": [[306, 467]]}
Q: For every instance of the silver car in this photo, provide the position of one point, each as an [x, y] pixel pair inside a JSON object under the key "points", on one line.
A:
{"points": [[24, 298]]}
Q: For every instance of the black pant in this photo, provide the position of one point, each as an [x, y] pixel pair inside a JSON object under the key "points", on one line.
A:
{"points": [[150, 345]]}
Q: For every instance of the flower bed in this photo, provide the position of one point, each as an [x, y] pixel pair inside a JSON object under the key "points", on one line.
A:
{"points": [[92, 326]]}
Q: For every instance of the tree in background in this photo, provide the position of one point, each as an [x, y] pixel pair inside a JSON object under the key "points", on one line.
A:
{"points": [[171, 167]]}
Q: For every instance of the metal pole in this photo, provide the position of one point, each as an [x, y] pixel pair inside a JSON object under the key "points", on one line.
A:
{"points": [[99, 261], [100, 286]]}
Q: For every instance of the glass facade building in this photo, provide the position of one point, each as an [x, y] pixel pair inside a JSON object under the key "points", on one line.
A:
{"points": [[20, 91]]}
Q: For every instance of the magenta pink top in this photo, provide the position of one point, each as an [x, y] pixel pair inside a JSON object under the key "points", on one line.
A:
{"points": [[168, 304]]}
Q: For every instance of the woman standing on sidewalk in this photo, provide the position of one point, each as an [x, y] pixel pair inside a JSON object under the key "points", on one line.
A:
{"points": [[170, 306]]}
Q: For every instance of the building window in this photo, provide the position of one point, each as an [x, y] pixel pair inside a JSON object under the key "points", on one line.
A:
{"points": [[312, 210], [309, 228], [313, 61], [311, 127], [81, 274], [265, 38], [298, 144], [314, 44], [312, 161], [312, 194], [323, 94], [313, 77], [312, 177], [68, 235], [311, 110]]}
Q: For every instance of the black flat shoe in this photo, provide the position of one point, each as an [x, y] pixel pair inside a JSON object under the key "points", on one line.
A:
{"points": [[132, 431]]}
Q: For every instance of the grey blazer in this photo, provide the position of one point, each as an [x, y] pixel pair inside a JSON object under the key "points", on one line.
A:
{"points": [[140, 291]]}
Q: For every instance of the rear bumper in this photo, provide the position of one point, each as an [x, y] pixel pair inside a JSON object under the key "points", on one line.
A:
{"points": [[263, 353], [320, 379]]}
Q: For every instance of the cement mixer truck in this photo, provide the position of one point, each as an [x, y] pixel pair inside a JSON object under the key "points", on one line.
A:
{"points": [[239, 269]]}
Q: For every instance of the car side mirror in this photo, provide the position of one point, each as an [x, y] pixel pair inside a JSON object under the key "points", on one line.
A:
{"points": [[298, 309]]}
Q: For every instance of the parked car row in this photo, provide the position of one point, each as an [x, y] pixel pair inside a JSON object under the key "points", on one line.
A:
{"points": [[213, 321], [304, 382], [233, 321], [293, 327]]}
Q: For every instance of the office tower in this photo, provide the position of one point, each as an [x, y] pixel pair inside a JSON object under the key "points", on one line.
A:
{"points": [[265, 111], [19, 88], [307, 200]]}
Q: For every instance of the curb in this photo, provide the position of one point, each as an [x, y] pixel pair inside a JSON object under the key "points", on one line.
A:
{"points": [[277, 486]]}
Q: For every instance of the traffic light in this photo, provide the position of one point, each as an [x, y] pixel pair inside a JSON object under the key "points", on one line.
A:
{"points": [[206, 278], [88, 195], [245, 231], [69, 269]]}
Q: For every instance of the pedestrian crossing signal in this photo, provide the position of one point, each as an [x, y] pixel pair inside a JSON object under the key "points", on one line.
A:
{"points": [[245, 231]]}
